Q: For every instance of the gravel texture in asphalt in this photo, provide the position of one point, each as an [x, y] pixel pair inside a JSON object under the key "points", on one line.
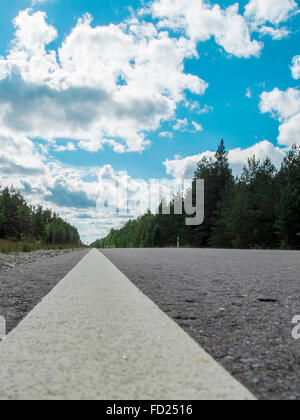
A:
{"points": [[26, 278], [238, 305]]}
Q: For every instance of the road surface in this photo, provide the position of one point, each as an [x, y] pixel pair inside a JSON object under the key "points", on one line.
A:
{"points": [[96, 336], [23, 286], [238, 305]]}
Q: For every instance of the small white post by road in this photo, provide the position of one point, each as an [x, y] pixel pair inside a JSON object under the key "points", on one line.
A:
{"points": [[96, 336], [178, 242]]}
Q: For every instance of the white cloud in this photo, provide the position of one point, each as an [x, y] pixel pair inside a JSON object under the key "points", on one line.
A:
{"points": [[181, 125], [281, 104], [105, 85], [166, 134], [184, 125], [194, 106], [201, 21], [249, 93], [18, 155], [285, 107], [184, 168], [275, 34], [206, 109], [262, 150], [24, 165], [70, 147], [42, 180], [197, 127], [289, 131], [273, 11], [296, 67]]}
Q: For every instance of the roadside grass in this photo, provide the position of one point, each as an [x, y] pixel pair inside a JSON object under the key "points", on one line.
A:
{"points": [[9, 246]]}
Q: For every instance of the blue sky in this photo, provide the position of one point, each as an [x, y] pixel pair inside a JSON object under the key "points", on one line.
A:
{"points": [[117, 85]]}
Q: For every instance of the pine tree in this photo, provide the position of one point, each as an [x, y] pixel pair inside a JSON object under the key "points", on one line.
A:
{"points": [[288, 209], [216, 174]]}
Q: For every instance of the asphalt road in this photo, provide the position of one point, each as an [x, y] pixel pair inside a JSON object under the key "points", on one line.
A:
{"points": [[96, 336], [25, 285], [238, 305]]}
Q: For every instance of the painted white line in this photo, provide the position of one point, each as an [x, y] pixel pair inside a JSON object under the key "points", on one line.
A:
{"points": [[96, 336]]}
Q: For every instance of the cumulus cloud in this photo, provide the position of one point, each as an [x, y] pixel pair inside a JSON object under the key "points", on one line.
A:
{"points": [[105, 85], [267, 17], [184, 168], [232, 30], [276, 34], [18, 155], [285, 107], [26, 165], [273, 11], [262, 150], [296, 67], [201, 21]]}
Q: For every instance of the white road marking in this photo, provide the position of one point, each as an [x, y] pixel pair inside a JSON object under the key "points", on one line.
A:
{"points": [[96, 336]]}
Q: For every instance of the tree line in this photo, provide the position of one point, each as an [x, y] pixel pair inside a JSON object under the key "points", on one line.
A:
{"points": [[259, 209], [22, 222]]}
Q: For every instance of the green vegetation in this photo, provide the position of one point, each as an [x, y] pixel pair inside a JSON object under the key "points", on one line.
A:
{"points": [[7, 246], [27, 228], [260, 209]]}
